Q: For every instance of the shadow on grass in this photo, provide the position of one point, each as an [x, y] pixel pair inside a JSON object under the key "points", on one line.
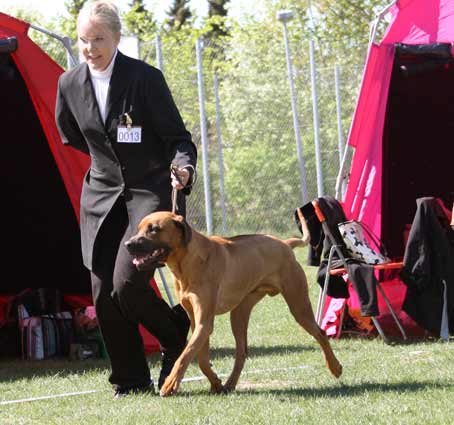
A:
{"points": [[259, 351], [337, 391], [13, 370]]}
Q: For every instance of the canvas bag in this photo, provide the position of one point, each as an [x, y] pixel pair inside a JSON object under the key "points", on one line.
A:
{"points": [[357, 245]]}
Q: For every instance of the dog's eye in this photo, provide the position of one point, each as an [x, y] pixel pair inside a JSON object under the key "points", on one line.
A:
{"points": [[153, 228]]}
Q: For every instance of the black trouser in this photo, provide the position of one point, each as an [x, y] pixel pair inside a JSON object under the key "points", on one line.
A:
{"points": [[123, 298]]}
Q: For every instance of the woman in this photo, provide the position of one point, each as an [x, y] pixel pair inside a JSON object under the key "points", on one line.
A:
{"points": [[120, 111]]}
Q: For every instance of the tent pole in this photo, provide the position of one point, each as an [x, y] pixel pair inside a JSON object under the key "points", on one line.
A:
{"points": [[341, 178], [66, 41], [376, 21]]}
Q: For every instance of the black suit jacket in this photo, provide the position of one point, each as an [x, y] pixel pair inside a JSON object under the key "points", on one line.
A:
{"points": [[139, 172]]}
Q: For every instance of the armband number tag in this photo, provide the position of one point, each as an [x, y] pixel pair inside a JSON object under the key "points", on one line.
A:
{"points": [[126, 134]]}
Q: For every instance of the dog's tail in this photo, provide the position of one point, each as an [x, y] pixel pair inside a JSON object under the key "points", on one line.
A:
{"points": [[295, 242]]}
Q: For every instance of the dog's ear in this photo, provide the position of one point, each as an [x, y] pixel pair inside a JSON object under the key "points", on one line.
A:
{"points": [[182, 224]]}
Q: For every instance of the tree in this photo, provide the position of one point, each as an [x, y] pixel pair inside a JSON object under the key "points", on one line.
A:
{"points": [[217, 7], [179, 13], [139, 21], [342, 26], [217, 13], [68, 24]]}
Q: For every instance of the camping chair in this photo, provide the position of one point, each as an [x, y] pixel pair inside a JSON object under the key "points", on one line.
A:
{"points": [[338, 250]]}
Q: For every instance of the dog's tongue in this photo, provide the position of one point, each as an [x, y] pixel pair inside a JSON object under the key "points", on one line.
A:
{"points": [[137, 261]]}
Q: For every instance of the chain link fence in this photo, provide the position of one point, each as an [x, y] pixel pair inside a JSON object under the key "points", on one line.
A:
{"points": [[254, 181]]}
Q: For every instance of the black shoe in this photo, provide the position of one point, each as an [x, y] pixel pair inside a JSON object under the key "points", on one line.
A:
{"points": [[144, 389], [169, 357]]}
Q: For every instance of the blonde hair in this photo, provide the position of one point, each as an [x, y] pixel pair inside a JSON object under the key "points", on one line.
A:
{"points": [[103, 11]]}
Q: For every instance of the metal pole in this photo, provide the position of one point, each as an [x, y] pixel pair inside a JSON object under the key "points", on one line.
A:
{"points": [[166, 287], [70, 59], [220, 156], [318, 157], [66, 41], [296, 126], [204, 137], [340, 138], [341, 178], [159, 61]]}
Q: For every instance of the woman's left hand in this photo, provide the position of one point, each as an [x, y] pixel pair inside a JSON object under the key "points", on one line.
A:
{"points": [[182, 180]]}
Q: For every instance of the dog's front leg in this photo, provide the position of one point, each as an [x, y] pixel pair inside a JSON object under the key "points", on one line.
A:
{"points": [[203, 318]]}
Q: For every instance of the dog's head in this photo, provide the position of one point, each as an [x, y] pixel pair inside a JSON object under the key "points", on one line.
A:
{"points": [[159, 234]]}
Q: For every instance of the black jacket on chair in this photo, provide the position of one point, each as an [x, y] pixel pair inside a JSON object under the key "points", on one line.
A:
{"points": [[361, 275], [140, 172], [428, 260], [334, 214]]}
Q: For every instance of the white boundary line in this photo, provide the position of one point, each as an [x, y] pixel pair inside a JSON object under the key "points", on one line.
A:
{"points": [[192, 379], [46, 397]]}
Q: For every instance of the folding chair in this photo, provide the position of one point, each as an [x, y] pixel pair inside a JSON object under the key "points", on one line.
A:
{"points": [[338, 248]]}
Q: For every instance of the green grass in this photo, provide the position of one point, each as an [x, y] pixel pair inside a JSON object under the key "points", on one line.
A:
{"points": [[284, 382]]}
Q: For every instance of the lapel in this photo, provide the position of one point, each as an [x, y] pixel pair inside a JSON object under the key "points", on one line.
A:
{"points": [[118, 85], [88, 95]]}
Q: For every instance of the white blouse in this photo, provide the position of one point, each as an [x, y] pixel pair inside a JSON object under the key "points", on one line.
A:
{"points": [[101, 80]]}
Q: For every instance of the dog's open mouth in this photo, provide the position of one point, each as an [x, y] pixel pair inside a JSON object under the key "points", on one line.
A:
{"points": [[150, 260]]}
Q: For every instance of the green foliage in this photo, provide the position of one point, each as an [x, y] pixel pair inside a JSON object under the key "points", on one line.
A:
{"points": [[262, 179], [68, 23], [342, 26], [139, 21], [217, 8], [178, 14]]}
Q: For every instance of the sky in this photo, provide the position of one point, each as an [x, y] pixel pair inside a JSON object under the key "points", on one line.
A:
{"points": [[52, 7]]}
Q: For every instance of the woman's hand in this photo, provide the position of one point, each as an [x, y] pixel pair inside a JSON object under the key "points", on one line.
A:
{"points": [[180, 178]]}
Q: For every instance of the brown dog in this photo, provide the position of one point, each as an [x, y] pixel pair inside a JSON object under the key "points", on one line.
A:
{"points": [[215, 275]]}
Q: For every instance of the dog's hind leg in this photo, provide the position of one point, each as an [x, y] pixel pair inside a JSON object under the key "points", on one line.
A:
{"points": [[239, 320], [295, 292], [205, 367]]}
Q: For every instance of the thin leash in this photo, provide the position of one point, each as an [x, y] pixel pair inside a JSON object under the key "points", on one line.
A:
{"points": [[173, 171], [174, 200]]}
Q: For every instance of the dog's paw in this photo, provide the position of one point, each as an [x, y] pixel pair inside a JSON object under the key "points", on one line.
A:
{"points": [[229, 386], [217, 387], [227, 389], [170, 387], [336, 370]]}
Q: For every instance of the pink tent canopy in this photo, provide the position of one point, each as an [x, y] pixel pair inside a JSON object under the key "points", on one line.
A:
{"points": [[413, 22], [401, 130]]}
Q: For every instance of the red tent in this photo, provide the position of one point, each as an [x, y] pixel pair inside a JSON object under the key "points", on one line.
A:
{"points": [[401, 129], [42, 179]]}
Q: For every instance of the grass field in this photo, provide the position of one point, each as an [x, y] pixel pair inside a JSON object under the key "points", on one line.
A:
{"points": [[284, 382]]}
